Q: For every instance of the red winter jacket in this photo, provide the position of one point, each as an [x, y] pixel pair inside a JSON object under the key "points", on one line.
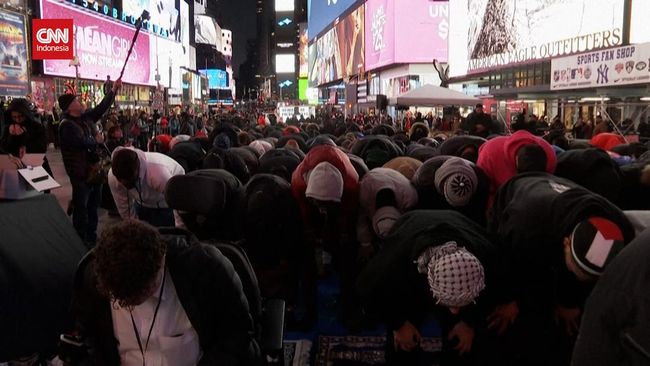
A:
{"points": [[498, 158], [336, 157], [607, 141]]}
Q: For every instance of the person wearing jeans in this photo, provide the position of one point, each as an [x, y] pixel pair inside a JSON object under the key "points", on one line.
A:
{"points": [[79, 139]]}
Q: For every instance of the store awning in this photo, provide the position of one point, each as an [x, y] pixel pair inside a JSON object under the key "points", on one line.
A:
{"points": [[433, 96]]}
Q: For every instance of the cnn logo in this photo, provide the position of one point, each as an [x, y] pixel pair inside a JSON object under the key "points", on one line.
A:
{"points": [[49, 35], [52, 39]]}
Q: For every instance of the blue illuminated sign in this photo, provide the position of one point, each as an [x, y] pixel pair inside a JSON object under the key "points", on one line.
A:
{"points": [[217, 79], [322, 13], [285, 84], [284, 22]]}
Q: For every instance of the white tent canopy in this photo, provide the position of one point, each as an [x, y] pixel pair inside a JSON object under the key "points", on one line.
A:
{"points": [[433, 96]]}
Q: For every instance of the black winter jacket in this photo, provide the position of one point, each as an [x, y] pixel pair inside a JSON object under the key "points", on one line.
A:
{"points": [[391, 287], [531, 216], [78, 144], [614, 328], [209, 290]]}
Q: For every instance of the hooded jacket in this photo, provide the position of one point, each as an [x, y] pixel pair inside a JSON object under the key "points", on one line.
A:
{"points": [[531, 216], [209, 290], [498, 157], [391, 287], [34, 138], [614, 328], [155, 171], [406, 197], [336, 157], [78, 143]]}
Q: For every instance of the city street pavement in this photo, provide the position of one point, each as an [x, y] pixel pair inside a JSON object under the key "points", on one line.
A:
{"points": [[64, 194]]}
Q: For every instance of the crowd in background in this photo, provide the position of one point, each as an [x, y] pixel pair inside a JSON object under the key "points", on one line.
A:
{"points": [[498, 231]]}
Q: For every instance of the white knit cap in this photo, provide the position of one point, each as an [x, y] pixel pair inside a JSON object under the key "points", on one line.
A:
{"points": [[384, 219], [177, 139], [324, 183], [456, 277], [261, 146]]}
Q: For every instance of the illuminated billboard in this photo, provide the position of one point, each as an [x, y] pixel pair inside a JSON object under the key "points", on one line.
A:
{"points": [[285, 63], [488, 34], [396, 30]]}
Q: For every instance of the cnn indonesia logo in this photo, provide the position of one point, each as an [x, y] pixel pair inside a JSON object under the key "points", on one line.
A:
{"points": [[52, 39]]}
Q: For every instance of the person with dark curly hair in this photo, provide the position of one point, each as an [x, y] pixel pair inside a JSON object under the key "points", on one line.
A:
{"points": [[145, 298]]}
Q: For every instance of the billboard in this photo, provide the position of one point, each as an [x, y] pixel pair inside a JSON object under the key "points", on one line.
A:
{"points": [[13, 55], [303, 85], [611, 67], [101, 46], [285, 63], [303, 51], [411, 22], [339, 53], [169, 57], [321, 13], [639, 24], [487, 34], [284, 5], [217, 79], [207, 31], [164, 15]]}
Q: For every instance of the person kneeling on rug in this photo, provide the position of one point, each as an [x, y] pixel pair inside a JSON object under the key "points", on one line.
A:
{"points": [[439, 253]]}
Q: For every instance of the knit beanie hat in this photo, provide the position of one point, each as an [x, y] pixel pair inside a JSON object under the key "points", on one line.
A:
{"points": [[456, 277], [384, 220], [324, 183], [457, 181], [261, 147], [594, 243], [65, 100], [178, 138]]}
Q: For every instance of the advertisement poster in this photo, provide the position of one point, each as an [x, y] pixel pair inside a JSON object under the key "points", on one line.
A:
{"points": [[339, 53], [217, 79], [101, 47], [207, 31], [13, 55], [487, 34], [421, 26], [164, 15], [617, 66], [303, 50], [322, 13], [639, 24]]}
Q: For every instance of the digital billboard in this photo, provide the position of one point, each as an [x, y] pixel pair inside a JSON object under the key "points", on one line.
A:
{"points": [[321, 13], [285, 63], [487, 34], [13, 54], [303, 85], [421, 26], [100, 45], [639, 24], [284, 5], [164, 14], [217, 79], [303, 51], [207, 31], [340, 52]]}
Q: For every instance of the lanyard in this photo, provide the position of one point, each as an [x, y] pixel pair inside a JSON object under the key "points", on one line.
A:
{"points": [[143, 351]]}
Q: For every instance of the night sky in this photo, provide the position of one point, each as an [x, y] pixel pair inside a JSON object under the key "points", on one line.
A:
{"points": [[239, 16]]}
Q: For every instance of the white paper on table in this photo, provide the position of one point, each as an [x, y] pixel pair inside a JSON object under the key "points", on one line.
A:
{"points": [[33, 160], [34, 174]]}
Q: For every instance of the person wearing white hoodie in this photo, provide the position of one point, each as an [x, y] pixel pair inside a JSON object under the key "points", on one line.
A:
{"points": [[137, 180]]}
